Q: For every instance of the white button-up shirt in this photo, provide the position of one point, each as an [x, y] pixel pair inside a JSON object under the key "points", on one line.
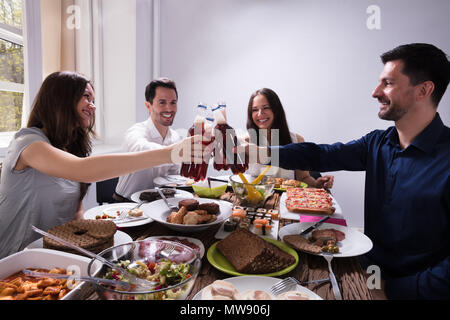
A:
{"points": [[140, 137]]}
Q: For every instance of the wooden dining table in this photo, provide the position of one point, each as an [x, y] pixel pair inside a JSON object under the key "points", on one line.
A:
{"points": [[352, 279]]}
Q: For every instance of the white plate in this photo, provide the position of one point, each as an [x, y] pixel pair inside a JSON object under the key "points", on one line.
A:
{"points": [[355, 243], [244, 283], [178, 194], [286, 214], [158, 211], [172, 180], [174, 238], [47, 259], [111, 210], [120, 237]]}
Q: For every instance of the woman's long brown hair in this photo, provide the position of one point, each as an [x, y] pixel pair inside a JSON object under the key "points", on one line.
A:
{"points": [[279, 116], [54, 111]]}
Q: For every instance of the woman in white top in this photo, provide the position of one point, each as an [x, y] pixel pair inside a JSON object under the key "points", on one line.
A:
{"points": [[47, 168], [266, 114]]}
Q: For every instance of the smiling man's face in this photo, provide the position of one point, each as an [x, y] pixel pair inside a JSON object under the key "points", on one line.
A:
{"points": [[394, 92], [164, 107]]}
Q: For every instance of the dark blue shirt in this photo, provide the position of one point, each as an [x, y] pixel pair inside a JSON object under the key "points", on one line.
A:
{"points": [[407, 202]]}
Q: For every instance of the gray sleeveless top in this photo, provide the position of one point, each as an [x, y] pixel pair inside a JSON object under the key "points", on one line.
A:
{"points": [[29, 197]]}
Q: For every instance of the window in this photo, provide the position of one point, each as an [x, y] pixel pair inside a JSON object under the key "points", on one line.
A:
{"points": [[11, 69]]}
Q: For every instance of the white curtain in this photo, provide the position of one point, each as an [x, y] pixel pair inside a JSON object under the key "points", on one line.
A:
{"points": [[66, 36]]}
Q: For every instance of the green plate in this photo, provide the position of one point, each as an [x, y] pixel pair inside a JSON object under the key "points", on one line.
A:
{"points": [[302, 185], [219, 262]]}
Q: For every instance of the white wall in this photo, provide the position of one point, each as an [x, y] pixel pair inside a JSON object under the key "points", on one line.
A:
{"points": [[319, 56], [119, 62]]}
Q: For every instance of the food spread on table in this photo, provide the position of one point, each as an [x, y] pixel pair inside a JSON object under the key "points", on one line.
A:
{"points": [[242, 244], [309, 200]]}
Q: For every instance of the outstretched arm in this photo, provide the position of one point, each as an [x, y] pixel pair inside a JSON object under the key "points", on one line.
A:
{"points": [[55, 162]]}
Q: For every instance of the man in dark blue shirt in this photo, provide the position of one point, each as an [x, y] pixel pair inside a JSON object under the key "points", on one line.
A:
{"points": [[407, 187]]}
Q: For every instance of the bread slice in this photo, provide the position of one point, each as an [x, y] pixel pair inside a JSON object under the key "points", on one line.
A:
{"points": [[250, 254], [92, 235]]}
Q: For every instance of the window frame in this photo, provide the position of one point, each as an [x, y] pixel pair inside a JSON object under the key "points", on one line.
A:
{"points": [[13, 35], [30, 38]]}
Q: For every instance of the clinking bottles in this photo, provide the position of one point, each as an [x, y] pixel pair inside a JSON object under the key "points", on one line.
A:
{"points": [[226, 139], [197, 171]]}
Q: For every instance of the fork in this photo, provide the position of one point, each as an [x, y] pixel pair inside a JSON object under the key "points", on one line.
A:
{"points": [[337, 293], [290, 282], [168, 249], [124, 216]]}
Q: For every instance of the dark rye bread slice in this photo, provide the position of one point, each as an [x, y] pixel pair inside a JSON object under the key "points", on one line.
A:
{"points": [[250, 254], [92, 235]]}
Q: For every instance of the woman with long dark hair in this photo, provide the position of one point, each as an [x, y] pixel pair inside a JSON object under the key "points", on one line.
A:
{"points": [[267, 125], [47, 168]]}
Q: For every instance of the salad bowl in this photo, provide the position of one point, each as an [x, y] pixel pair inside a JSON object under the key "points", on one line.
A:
{"points": [[171, 273]]}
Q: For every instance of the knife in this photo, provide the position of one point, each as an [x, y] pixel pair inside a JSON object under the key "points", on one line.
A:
{"points": [[131, 219], [314, 226]]}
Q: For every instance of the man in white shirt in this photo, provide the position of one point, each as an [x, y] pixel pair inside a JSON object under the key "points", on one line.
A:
{"points": [[161, 101]]}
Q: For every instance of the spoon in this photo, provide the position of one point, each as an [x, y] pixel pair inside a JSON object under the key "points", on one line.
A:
{"points": [[253, 195], [261, 176]]}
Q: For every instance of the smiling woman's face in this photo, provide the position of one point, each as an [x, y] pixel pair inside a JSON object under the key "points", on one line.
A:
{"points": [[86, 107], [262, 113]]}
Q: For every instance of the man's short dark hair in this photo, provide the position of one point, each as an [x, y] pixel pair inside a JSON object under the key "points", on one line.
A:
{"points": [[423, 62], [150, 90]]}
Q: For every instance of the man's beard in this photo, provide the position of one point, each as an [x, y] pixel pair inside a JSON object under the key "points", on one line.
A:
{"points": [[393, 112]]}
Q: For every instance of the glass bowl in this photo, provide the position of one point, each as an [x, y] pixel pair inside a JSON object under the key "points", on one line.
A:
{"points": [[239, 188], [177, 270]]}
